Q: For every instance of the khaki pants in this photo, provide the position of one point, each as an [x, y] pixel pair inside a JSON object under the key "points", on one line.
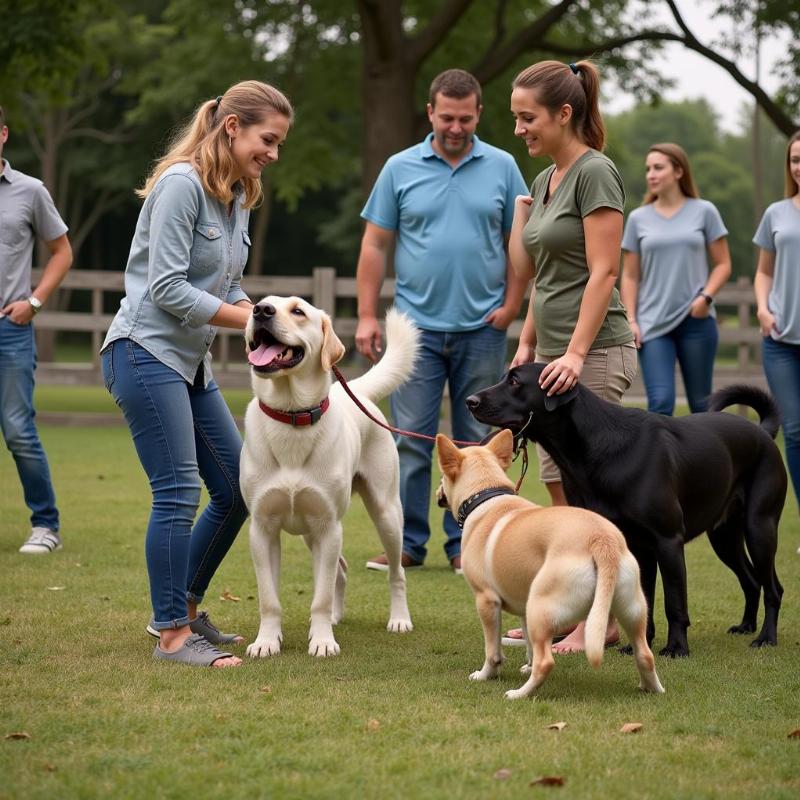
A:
{"points": [[608, 372]]}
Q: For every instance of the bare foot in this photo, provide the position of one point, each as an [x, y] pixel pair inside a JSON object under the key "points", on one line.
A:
{"points": [[575, 643]]}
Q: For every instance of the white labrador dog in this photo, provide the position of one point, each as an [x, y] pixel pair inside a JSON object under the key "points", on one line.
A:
{"points": [[307, 447]]}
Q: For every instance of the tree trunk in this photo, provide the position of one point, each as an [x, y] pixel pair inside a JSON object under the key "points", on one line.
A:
{"points": [[258, 232]]}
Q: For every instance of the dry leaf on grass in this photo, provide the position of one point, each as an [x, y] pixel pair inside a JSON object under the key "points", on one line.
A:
{"points": [[50, 767], [795, 734], [56, 588], [18, 735], [548, 780], [631, 727], [502, 774], [373, 725], [226, 595], [557, 726], [265, 689]]}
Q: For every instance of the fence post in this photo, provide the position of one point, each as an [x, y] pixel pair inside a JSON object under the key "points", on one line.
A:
{"points": [[324, 289], [97, 336]]}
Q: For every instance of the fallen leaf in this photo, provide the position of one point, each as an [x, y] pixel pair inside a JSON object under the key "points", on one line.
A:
{"points": [[373, 725], [795, 734], [557, 726], [502, 774], [18, 735], [56, 588], [631, 727], [50, 767], [265, 689], [226, 595], [548, 780]]}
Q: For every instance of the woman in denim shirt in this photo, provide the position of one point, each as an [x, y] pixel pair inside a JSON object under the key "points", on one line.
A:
{"points": [[182, 282]]}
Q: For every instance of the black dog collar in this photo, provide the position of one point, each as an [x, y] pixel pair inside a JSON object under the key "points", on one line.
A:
{"points": [[472, 502]]}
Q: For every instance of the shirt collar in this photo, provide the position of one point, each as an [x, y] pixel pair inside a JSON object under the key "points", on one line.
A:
{"points": [[7, 172], [477, 151]]}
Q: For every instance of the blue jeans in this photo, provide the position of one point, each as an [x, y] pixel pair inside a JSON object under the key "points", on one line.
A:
{"points": [[694, 344], [17, 364], [183, 433], [467, 362], [782, 368]]}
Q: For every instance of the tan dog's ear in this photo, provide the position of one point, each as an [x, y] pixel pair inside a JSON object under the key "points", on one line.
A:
{"points": [[502, 446], [332, 348], [449, 456]]}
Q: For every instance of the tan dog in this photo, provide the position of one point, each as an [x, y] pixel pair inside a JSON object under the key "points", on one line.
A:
{"points": [[307, 448], [550, 566]]}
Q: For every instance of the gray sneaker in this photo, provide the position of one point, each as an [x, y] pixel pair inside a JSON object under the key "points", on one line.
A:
{"points": [[203, 626], [195, 652], [41, 540]]}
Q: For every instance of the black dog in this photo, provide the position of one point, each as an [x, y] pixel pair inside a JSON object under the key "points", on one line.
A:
{"points": [[663, 481]]}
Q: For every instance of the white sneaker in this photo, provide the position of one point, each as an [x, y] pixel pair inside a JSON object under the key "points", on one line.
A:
{"points": [[41, 540]]}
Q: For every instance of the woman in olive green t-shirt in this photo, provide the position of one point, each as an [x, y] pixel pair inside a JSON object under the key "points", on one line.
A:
{"points": [[567, 236]]}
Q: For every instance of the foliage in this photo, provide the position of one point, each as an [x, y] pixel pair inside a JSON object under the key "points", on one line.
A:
{"points": [[393, 716]]}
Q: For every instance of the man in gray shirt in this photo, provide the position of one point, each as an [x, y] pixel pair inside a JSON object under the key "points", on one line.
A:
{"points": [[27, 213]]}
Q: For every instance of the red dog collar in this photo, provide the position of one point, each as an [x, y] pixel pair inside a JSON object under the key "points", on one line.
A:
{"points": [[297, 418]]}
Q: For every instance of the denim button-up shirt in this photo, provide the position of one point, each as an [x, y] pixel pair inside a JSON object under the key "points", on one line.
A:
{"points": [[186, 259]]}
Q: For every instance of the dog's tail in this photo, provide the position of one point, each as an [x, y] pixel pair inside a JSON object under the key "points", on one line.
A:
{"points": [[605, 552], [757, 399], [397, 363]]}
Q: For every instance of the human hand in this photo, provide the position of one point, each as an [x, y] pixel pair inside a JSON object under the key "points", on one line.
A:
{"points": [[766, 322], [699, 309], [561, 375], [20, 312], [637, 334], [526, 353], [500, 318], [522, 205], [369, 341]]}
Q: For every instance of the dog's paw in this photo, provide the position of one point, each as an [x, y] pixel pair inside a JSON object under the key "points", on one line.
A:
{"points": [[483, 674], [263, 647], [745, 627], [525, 669], [322, 647], [399, 625], [674, 651], [516, 694]]}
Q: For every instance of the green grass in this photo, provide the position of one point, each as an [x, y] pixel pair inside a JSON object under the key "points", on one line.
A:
{"points": [[106, 721]]}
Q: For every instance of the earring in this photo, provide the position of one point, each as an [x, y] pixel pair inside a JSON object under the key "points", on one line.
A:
{"points": [[230, 141]]}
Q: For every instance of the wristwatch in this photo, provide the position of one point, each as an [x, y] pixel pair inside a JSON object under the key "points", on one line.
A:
{"points": [[707, 297], [36, 304]]}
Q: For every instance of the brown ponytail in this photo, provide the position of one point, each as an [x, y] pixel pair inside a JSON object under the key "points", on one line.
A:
{"points": [[576, 85], [791, 185]]}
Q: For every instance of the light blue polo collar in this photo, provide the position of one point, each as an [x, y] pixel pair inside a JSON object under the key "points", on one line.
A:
{"points": [[477, 151]]}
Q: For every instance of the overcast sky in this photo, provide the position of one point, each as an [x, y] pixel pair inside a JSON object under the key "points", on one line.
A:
{"points": [[697, 76]]}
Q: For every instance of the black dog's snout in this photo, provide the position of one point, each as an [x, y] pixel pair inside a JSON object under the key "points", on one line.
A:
{"points": [[263, 311], [473, 401]]}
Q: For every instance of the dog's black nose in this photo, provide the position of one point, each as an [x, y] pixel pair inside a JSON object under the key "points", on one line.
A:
{"points": [[263, 310], [473, 401]]}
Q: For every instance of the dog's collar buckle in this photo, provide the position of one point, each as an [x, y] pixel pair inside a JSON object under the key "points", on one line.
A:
{"points": [[473, 501], [296, 419]]}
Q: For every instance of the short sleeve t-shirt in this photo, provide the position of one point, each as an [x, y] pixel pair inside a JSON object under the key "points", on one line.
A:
{"points": [[673, 255], [779, 232], [554, 238]]}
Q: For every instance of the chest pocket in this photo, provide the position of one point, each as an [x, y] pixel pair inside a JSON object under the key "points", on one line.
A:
{"points": [[207, 247], [14, 229], [245, 248]]}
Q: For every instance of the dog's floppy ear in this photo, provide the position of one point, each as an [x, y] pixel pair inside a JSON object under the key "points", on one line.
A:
{"points": [[551, 402], [449, 456], [502, 445], [332, 348]]}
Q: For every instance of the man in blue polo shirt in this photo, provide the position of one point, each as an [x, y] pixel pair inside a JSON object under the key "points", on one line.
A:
{"points": [[27, 213], [446, 205]]}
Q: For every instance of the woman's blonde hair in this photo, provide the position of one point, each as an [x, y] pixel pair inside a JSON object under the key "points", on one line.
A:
{"points": [[677, 156], [577, 85], [204, 143], [791, 184]]}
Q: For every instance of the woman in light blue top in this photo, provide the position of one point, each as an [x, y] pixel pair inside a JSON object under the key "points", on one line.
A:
{"points": [[182, 282], [777, 288], [667, 287]]}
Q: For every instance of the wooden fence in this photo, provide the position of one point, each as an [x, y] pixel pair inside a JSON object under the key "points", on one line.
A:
{"points": [[739, 335]]}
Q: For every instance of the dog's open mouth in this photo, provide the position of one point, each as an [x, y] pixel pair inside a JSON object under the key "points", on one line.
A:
{"points": [[267, 354]]}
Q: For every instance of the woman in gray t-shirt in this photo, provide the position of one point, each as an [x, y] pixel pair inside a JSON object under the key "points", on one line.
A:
{"points": [[667, 286], [777, 287]]}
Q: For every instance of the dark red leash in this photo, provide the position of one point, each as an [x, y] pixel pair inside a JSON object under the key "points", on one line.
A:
{"points": [[519, 444]]}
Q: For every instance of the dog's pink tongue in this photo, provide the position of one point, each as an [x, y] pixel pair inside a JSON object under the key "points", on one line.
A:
{"points": [[264, 354]]}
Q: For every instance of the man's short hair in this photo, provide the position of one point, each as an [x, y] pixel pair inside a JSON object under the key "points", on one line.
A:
{"points": [[456, 83]]}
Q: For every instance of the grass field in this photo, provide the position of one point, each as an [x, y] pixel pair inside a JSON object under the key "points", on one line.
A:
{"points": [[393, 716]]}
